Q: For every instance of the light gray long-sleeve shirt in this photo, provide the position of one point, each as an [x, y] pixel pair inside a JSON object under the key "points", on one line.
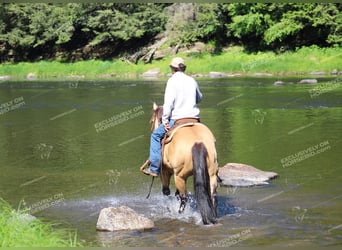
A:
{"points": [[181, 97]]}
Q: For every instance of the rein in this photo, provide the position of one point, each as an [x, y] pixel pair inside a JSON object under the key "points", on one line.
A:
{"points": [[155, 121], [141, 168], [149, 190]]}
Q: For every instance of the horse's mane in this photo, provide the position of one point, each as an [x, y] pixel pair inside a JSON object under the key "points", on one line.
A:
{"points": [[158, 113], [157, 116]]}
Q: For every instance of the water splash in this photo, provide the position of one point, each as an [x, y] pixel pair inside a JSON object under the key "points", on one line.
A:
{"points": [[157, 208]]}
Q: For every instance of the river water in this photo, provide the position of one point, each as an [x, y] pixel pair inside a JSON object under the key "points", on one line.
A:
{"points": [[71, 148]]}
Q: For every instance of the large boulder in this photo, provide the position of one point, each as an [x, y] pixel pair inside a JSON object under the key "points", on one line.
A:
{"points": [[122, 218], [242, 175]]}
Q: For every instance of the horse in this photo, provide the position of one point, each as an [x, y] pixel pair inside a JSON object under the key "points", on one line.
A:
{"points": [[189, 149]]}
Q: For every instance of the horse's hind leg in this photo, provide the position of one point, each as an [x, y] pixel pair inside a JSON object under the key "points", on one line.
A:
{"points": [[213, 187], [165, 179], [181, 191]]}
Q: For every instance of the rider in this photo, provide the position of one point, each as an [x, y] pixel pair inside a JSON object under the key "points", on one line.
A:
{"points": [[180, 101]]}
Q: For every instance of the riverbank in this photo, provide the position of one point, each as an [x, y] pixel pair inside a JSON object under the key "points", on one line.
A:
{"points": [[18, 229], [232, 61]]}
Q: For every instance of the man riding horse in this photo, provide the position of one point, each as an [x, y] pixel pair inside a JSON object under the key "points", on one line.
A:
{"points": [[180, 101], [189, 148]]}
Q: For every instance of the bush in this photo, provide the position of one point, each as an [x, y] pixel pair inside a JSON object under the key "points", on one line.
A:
{"points": [[18, 229]]}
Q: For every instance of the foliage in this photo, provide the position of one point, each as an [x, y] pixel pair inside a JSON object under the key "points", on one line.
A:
{"points": [[79, 31], [18, 230], [290, 25], [113, 22], [32, 25], [202, 22], [29, 31]]}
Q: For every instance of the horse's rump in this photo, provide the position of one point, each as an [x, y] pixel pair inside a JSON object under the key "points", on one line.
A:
{"points": [[178, 151]]}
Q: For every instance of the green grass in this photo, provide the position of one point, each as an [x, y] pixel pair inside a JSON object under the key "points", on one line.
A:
{"points": [[303, 61], [231, 60], [16, 231]]}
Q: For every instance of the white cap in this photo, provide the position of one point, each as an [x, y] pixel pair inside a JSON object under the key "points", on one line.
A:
{"points": [[176, 61]]}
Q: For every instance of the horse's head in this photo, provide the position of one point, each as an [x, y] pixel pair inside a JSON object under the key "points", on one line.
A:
{"points": [[156, 117]]}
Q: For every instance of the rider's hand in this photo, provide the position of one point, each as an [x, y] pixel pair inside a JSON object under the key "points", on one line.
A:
{"points": [[166, 126]]}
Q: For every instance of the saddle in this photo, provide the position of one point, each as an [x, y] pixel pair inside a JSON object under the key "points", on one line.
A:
{"points": [[181, 123]]}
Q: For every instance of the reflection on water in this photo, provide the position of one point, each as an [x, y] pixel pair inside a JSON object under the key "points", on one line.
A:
{"points": [[70, 149]]}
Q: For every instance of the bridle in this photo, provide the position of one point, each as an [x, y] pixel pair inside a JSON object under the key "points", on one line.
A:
{"points": [[156, 118]]}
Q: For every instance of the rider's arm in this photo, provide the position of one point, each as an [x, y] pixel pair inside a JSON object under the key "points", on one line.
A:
{"points": [[169, 98], [198, 94]]}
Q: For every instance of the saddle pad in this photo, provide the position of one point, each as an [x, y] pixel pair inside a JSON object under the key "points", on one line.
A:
{"points": [[169, 135]]}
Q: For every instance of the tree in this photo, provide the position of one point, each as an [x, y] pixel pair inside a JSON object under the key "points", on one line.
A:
{"points": [[30, 26], [28, 29], [191, 22], [74, 31], [122, 22], [307, 24], [275, 25]]}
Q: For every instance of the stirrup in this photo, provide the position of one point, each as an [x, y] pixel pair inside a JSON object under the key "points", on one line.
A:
{"points": [[143, 166], [149, 172]]}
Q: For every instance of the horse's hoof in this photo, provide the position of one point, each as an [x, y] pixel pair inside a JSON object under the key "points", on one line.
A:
{"points": [[166, 191], [181, 208]]}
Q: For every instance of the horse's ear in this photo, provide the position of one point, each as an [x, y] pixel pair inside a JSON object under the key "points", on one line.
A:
{"points": [[155, 106]]}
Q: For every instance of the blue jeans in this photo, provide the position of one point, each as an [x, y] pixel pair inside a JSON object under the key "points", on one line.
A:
{"points": [[155, 147]]}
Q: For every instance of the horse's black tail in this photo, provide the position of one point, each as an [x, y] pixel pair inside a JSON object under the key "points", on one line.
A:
{"points": [[202, 183]]}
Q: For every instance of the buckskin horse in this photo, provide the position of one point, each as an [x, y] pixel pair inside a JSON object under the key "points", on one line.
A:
{"points": [[189, 149]]}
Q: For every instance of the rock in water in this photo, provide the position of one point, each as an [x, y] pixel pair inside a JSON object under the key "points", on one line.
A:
{"points": [[122, 218], [152, 73], [242, 175], [31, 76], [310, 81]]}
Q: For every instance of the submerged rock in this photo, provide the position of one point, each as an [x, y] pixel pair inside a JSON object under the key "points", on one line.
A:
{"points": [[262, 74], [122, 218], [31, 76], [214, 74], [278, 83], [318, 73], [4, 77], [242, 175], [309, 81]]}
